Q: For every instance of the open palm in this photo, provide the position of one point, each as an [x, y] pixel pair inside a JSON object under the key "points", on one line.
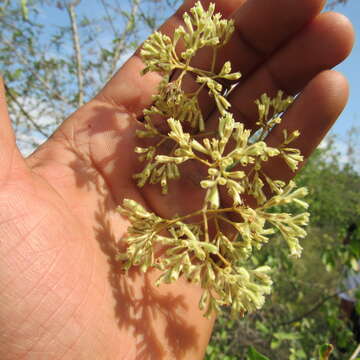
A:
{"points": [[62, 293]]}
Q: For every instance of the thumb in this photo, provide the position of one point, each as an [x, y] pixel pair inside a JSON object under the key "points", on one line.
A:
{"points": [[10, 156]]}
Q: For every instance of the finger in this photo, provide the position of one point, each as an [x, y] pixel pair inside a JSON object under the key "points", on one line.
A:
{"points": [[249, 47], [313, 113], [260, 28], [322, 45], [10, 156]]}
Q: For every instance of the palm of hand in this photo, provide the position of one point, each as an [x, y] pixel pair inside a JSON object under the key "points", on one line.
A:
{"points": [[64, 296], [64, 287]]}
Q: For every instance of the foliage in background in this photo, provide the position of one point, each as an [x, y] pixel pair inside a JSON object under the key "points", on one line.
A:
{"points": [[304, 309], [56, 54]]}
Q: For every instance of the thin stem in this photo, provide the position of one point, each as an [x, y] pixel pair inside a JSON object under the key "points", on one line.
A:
{"points": [[209, 133], [176, 58], [197, 92], [222, 259], [77, 50], [208, 211], [206, 225], [173, 149], [217, 224], [213, 62], [180, 78], [121, 44], [162, 141], [227, 221], [202, 221], [193, 214], [202, 161]]}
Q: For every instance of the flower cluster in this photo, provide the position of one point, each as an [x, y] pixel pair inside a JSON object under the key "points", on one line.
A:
{"points": [[203, 251]]}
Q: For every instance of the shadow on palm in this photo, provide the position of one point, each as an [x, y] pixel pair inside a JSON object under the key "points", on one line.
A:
{"points": [[139, 307]]}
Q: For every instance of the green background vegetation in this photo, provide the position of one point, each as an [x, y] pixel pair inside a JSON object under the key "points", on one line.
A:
{"points": [[303, 311]]}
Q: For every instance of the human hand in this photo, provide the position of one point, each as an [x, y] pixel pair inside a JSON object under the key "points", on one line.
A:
{"points": [[63, 295]]}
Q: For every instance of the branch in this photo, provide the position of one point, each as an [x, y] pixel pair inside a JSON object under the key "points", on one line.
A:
{"points": [[355, 353], [109, 17], [78, 59], [27, 115], [120, 47], [51, 93], [313, 309]]}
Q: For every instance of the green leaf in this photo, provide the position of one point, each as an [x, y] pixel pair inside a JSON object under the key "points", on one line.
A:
{"points": [[262, 327], [16, 74], [275, 344], [354, 264], [286, 336], [254, 355]]}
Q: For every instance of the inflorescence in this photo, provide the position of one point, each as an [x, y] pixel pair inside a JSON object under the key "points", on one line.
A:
{"points": [[202, 251]]}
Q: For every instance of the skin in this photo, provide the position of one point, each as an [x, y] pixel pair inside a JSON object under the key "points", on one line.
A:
{"points": [[62, 293]]}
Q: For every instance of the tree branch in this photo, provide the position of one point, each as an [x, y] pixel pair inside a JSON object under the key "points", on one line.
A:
{"points": [[103, 3], [24, 112], [77, 50], [314, 308], [25, 62], [355, 353], [120, 47]]}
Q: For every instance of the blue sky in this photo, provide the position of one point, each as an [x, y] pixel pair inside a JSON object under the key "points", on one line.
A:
{"points": [[350, 68]]}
